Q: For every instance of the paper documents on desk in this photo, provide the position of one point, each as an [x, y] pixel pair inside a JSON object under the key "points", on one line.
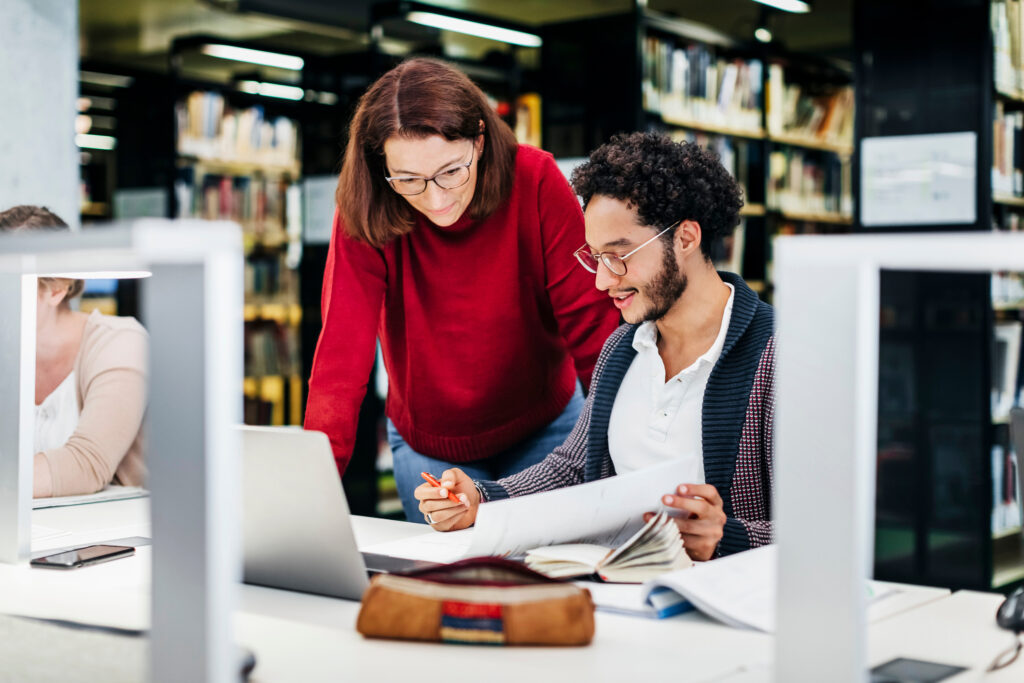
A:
{"points": [[112, 492], [739, 590], [606, 512]]}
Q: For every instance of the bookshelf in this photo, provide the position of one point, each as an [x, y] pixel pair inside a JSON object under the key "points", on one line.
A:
{"points": [[1006, 23], [238, 158], [781, 123], [949, 351]]}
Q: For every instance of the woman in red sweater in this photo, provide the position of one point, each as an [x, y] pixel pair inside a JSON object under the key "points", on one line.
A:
{"points": [[454, 245]]}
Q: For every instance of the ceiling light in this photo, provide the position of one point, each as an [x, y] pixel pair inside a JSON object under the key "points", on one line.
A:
{"points": [[87, 141], [108, 80], [243, 54], [798, 6], [285, 92], [475, 28], [763, 34]]}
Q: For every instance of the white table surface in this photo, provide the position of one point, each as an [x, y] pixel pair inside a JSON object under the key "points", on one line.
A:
{"points": [[301, 637]]}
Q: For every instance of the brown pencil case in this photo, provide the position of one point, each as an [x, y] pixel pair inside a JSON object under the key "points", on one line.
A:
{"points": [[484, 600]]}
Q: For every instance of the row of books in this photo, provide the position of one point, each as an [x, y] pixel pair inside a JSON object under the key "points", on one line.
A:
{"points": [[267, 276], [824, 114], [257, 201], [1008, 151], [273, 400], [807, 182], [271, 349], [1007, 20], [209, 129], [692, 83], [736, 154], [1006, 508], [1007, 289]]}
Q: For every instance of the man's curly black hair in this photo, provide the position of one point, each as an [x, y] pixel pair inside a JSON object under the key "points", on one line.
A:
{"points": [[666, 182]]}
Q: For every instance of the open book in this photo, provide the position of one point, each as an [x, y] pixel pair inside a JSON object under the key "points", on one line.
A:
{"points": [[655, 549]]}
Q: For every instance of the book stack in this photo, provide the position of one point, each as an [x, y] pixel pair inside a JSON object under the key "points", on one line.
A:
{"points": [[209, 129], [823, 115], [809, 182], [1007, 19], [1008, 152], [690, 84]]}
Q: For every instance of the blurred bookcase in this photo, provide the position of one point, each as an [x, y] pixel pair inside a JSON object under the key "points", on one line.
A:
{"points": [[781, 123], [238, 157], [948, 510]]}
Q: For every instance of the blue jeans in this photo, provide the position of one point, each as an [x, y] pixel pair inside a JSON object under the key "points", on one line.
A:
{"points": [[409, 464]]}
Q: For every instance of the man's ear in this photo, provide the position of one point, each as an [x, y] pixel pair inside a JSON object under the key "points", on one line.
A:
{"points": [[689, 236]]}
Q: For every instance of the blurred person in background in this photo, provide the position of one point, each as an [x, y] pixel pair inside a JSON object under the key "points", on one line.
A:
{"points": [[90, 395]]}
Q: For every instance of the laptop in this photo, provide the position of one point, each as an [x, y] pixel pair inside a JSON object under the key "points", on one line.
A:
{"points": [[297, 530]]}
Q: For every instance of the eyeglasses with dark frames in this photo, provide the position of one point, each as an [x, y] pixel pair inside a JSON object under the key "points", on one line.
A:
{"points": [[613, 262], [448, 179]]}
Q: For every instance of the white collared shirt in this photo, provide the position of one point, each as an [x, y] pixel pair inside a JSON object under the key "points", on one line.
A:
{"points": [[653, 420]]}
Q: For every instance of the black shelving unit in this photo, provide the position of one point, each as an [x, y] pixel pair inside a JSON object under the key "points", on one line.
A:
{"points": [[594, 87], [936, 430]]}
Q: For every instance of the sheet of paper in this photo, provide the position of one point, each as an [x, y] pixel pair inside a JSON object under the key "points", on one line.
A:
{"points": [[111, 492], [606, 512], [739, 590], [431, 546]]}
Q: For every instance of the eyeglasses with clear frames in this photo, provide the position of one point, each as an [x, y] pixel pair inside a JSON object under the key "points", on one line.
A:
{"points": [[448, 179], [613, 262]]}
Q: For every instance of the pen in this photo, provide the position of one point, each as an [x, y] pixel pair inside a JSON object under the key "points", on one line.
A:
{"points": [[437, 484]]}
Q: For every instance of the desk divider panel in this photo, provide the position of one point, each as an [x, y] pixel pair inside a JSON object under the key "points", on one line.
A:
{"points": [[17, 396]]}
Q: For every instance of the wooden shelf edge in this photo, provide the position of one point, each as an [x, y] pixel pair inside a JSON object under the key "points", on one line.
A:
{"points": [[753, 210], [240, 166], [1008, 306], [812, 143], [1011, 96], [833, 218], [693, 124], [1004, 577], [1007, 200]]}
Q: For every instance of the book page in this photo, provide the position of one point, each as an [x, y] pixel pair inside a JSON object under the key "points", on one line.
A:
{"points": [[585, 554], [605, 512]]}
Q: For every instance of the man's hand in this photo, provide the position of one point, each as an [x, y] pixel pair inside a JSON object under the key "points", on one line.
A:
{"points": [[444, 515], [703, 519]]}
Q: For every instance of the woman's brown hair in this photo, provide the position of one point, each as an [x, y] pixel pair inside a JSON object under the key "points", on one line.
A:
{"points": [[28, 217], [418, 98]]}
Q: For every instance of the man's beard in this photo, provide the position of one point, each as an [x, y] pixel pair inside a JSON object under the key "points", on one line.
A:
{"points": [[666, 288]]}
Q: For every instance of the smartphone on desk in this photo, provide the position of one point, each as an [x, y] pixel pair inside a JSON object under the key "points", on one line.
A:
{"points": [[81, 557]]}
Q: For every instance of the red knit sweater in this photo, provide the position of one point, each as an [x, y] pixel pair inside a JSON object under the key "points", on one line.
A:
{"points": [[484, 325]]}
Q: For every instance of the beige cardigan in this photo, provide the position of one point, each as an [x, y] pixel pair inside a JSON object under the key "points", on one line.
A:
{"points": [[111, 369]]}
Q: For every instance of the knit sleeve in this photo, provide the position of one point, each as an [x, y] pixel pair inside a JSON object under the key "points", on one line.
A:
{"points": [[585, 316], [750, 524], [564, 466], [112, 374], [355, 278]]}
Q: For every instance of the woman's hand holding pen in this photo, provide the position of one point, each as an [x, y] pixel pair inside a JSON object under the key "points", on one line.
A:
{"points": [[703, 520], [440, 511]]}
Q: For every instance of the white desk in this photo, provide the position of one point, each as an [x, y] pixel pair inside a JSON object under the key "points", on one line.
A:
{"points": [[309, 638]]}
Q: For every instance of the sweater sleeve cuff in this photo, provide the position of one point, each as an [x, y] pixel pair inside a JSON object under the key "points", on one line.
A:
{"points": [[735, 538], [490, 490]]}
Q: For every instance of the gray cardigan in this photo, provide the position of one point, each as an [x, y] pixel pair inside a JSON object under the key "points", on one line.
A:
{"points": [[737, 425]]}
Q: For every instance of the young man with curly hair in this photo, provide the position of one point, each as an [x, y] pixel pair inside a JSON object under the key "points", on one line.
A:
{"points": [[690, 374]]}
